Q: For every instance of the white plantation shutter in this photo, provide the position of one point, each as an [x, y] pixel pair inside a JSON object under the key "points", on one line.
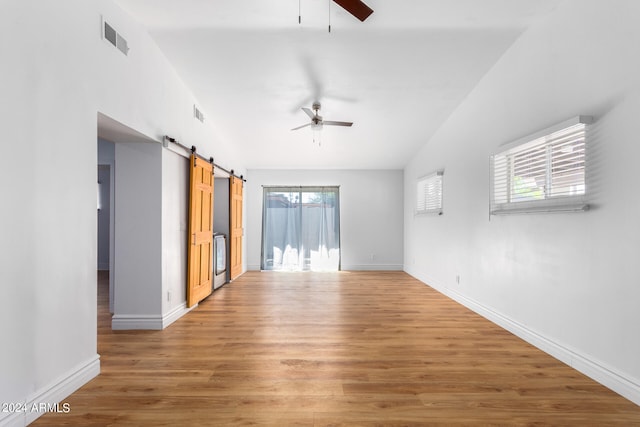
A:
{"points": [[542, 172], [567, 157], [429, 193]]}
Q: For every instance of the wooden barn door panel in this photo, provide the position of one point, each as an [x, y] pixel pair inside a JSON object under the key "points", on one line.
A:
{"points": [[200, 268], [235, 228]]}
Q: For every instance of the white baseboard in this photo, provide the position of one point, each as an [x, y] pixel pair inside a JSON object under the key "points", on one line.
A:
{"points": [[371, 267], [13, 419], [356, 267], [122, 322], [175, 314], [50, 397], [626, 387]]}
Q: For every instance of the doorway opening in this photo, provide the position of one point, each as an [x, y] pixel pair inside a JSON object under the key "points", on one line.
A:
{"points": [[301, 229], [105, 306], [221, 226], [105, 220], [111, 133]]}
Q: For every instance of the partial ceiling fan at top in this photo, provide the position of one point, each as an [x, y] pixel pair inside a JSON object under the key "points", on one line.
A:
{"points": [[355, 7]]}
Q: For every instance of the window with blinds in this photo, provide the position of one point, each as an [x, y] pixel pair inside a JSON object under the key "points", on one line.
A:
{"points": [[543, 172], [429, 194]]}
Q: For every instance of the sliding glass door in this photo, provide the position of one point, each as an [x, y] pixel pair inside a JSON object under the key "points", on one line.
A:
{"points": [[301, 229]]}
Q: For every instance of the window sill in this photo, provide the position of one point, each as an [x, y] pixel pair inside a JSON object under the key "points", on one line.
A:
{"points": [[429, 213], [543, 206]]}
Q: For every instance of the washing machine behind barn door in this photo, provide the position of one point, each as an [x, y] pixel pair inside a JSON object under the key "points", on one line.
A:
{"points": [[220, 260]]}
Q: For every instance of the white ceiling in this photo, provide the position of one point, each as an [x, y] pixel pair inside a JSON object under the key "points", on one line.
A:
{"points": [[397, 76]]}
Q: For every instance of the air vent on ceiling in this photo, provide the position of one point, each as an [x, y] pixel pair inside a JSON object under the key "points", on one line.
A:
{"points": [[111, 35], [198, 114]]}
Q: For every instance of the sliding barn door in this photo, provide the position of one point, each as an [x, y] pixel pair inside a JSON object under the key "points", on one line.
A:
{"points": [[200, 266], [235, 216]]}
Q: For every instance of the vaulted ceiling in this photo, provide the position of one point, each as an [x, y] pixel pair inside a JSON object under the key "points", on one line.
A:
{"points": [[397, 76]]}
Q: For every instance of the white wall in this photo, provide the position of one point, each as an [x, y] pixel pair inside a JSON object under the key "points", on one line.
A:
{"points": [[175, 203], [150, 266], [61, 75], [138, 232], [566, 282], [371, 203]]}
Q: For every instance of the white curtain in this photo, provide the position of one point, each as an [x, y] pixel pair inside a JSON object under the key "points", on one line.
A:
{"points": [[301, 229]]}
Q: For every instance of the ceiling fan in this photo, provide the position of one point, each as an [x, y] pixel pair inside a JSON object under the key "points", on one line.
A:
{"points": [[317, 121], [356, 8]]}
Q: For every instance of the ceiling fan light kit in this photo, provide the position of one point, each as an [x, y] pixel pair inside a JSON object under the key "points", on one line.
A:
{"points": [[317, 122]]}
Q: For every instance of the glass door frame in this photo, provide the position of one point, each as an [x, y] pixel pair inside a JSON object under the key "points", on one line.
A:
{"points": [[267, 189]]}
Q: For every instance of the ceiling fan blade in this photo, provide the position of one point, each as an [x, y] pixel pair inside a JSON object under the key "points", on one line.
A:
{"points": [[333, 123], [356, 8], [309, 112], [303, 126]]}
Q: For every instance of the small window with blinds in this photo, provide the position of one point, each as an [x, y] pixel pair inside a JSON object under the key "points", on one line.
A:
{"points": [[429, 194], [542, 172]]}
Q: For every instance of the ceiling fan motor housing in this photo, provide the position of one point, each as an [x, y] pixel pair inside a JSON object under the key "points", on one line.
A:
{"points": [[316, 119]]}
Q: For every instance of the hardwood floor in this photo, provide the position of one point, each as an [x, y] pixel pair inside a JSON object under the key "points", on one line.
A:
{"points": [[339, 349]]}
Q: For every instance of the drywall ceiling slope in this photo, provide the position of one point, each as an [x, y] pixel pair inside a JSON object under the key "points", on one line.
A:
{"points": [[114, 131], [397, 76]]}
